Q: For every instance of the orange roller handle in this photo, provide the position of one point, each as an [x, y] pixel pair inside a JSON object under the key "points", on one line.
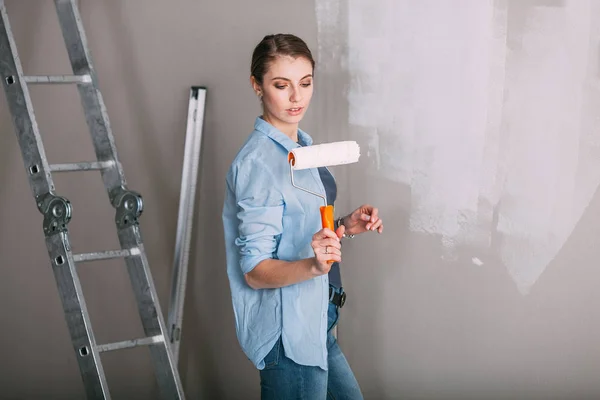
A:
{"points": [[327, 220], [327, 217]]}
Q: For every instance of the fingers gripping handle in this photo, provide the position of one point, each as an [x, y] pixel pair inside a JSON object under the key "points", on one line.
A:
{"points": [[327, 220]]}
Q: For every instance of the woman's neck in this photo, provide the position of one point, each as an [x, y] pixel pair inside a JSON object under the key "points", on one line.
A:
{"points": [[290, 130]]}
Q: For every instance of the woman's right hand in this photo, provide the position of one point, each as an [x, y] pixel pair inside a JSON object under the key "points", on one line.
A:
{"points": [[327, 246]]}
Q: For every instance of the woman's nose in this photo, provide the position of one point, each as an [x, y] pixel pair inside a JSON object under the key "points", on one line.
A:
{"points": [[295, 96]]}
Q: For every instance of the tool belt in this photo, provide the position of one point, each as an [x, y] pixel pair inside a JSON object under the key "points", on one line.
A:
{"points": [[337, 298]]}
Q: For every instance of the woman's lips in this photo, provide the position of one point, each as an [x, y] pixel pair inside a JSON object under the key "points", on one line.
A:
{"points": [[294, 110]]}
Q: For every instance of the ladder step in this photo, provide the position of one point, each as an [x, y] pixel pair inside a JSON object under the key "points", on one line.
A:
{"points": [[82, 166], [105, 255], [60, 79], [127, 344]]}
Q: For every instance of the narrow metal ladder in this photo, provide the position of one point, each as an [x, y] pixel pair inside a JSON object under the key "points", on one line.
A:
{"points": [[187, 198], [57, 210]]}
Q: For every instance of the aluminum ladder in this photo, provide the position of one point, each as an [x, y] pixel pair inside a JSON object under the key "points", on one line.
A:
{"points": [[57, 210]]}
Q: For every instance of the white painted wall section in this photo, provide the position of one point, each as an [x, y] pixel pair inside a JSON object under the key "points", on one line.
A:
{"points": [[486, 109]]}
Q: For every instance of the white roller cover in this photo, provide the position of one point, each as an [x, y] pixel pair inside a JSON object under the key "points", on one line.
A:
{"points": [[324, 155]]}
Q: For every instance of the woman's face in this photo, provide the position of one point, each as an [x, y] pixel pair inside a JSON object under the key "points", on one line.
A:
{"points": [[286, 90]]}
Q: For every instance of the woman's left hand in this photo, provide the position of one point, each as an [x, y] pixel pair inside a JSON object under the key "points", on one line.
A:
{"points": [[365, 218]]}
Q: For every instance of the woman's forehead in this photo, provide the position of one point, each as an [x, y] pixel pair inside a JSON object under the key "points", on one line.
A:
{"points": [[289, 68]]}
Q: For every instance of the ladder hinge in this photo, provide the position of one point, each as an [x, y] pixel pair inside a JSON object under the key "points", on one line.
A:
{"points": [[57, 213], [129, 207]]}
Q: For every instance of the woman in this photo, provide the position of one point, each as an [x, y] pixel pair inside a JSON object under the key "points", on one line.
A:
{"points": [[285, 294]]}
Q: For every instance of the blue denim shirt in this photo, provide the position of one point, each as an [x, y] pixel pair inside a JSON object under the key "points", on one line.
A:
{"points": [[264, 217]]}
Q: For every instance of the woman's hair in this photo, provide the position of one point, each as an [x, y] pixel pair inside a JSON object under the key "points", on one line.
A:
{"points": [[273, 46]]}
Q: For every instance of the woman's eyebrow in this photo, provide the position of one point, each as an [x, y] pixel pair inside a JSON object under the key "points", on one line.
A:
{"points": [[289, 80]]}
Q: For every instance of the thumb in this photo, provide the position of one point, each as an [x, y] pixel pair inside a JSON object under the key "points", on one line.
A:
{"points": [[340, 231]]}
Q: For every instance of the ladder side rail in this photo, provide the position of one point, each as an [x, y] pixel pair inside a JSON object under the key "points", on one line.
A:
{"points": [[167, 375], [92, 102], [185, 222]]}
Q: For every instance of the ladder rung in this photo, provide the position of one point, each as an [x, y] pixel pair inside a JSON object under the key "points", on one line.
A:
{"points": [[82, 166], [105, 255], [58, 79], [127, 344]]}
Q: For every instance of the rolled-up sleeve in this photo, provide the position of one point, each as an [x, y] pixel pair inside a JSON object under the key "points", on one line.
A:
{"points": [[260, 211]]}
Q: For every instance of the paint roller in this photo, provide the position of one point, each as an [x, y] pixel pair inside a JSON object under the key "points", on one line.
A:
{"points": [[323, 155]]}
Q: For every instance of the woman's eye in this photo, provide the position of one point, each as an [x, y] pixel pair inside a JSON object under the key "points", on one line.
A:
{"points": [[280, 86], [307, 84]]}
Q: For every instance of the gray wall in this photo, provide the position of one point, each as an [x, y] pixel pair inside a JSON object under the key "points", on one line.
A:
{"points": [[417, 323], [147, 54]]}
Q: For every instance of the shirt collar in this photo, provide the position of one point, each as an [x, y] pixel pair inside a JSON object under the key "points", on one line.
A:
{"points": [[280, 137]]}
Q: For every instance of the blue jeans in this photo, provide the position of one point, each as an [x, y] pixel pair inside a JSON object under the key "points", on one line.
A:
{"points": [[283, 379]]}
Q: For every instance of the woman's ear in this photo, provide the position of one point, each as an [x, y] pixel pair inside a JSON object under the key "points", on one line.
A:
{"points": [[255, 86]]}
